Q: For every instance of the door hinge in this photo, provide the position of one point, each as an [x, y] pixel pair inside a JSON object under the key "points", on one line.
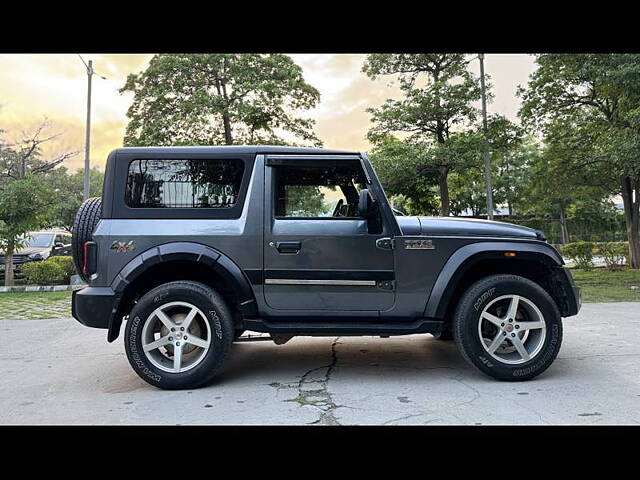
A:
{"points": [[385, 243]]}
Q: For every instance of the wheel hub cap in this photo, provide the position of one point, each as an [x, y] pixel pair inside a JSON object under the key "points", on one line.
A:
{"points": [[176, 337], [512, 329]]}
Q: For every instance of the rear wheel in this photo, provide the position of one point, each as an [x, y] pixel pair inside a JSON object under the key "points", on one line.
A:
{"points": [[508, 327], [178, 335]]}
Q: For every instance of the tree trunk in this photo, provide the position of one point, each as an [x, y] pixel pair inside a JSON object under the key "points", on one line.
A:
{"points": [[563, 226], [226, 122], [8, 265], [444, 191], [227, 129], [632, 218]]}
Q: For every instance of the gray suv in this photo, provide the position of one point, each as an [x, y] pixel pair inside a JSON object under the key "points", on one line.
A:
{"points": [[191, 246]]}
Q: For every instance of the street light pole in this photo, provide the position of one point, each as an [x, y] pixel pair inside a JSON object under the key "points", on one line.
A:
{"points": [[90, 73], [85, 194], [487, 166]]}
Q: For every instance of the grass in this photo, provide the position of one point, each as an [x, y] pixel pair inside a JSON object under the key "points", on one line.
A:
{"points": [[602, 285], [35, 305]]}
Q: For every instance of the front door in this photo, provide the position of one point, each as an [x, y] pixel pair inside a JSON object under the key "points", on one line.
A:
{"points": [[319, 254]]}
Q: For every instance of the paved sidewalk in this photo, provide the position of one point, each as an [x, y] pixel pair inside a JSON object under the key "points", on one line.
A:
{"points": [[59, 372]]}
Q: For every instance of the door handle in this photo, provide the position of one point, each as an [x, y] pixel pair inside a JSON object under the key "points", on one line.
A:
{"points": [[288, 247]]}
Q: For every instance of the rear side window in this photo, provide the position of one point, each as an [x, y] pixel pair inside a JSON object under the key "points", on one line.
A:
{"points": [[187, 183]]}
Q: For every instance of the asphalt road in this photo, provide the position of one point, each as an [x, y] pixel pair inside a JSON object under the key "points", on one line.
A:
{"points": [[59, 372]]}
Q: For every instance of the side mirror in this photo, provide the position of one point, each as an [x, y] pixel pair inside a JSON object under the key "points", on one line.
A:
{"points": [[59, 245], [367, 207]]}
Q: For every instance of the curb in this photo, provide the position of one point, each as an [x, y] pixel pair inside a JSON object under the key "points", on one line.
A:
{"points": [[40, 288]]}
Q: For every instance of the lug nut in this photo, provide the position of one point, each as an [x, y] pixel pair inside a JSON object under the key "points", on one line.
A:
{"points": [[177, 344], [502, 324], [517, 326], [510, 320], [171, 339], [504, 333], [513, 334], [182, 329], [184, 338]]}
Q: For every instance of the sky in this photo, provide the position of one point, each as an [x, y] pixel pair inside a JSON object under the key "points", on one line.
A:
{"points": [[54, 87]]}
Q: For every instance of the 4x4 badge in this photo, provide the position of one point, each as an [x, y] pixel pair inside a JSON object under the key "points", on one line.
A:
{"points": [[122, 247]]}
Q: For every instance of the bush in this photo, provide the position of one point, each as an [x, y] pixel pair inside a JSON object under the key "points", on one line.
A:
{"points": [[581, 253], [43, 273], [66, 263], [614, 253]]}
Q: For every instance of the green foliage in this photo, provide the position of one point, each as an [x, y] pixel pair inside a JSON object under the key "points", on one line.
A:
{"points": [[66, 263], [69, 189], [397, 164], [588, 108], [25, 205], [213, 99], [305, 201], [614, 253], [43, 273], [581, 253], [430, 125]]}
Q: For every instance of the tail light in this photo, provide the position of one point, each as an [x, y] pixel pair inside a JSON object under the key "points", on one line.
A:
{"points": [[90, 264]]}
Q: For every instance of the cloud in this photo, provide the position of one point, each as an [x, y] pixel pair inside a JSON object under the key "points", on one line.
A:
{"points": [[55, 86]]}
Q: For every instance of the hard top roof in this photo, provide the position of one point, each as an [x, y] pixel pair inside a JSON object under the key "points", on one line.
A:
{"points": [[237, 149]]}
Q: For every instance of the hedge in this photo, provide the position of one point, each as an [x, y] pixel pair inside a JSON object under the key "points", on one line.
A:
{"points": [[614, 254], [53, 270]]}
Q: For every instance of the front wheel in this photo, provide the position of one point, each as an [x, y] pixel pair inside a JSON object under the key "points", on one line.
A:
{"points": [[178, 335], [508, 327]]}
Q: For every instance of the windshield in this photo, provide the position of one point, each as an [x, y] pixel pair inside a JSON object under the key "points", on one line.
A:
{"points": [[39, 240]]}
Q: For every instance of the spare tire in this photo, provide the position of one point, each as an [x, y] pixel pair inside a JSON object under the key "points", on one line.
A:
{"points": [[84, 224]]}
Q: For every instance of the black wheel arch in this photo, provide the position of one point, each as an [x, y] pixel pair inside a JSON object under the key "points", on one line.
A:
{"points": [[535, 261], [181, 261]]}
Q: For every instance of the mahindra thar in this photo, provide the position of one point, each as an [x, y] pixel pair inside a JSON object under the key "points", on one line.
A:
{"points": [[191, 246]]}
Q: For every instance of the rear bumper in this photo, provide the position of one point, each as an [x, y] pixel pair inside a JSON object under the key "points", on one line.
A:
{"points": [[94, 306]]}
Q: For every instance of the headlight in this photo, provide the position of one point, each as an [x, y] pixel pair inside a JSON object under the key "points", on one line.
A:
{"points": [[35, 256]]}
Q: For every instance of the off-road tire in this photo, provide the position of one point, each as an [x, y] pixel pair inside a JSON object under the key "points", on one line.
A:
{"points": [[84, 224], [217, 315], [467, 316]]}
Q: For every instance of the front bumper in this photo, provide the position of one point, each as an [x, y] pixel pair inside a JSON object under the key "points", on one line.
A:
{"points": [[94, 306]]}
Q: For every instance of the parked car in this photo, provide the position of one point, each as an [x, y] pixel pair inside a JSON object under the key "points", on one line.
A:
{"points": [[193, 245], [38, 246]]}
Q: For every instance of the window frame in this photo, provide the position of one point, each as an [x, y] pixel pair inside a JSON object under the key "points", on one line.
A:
{"points": [[319, 163], [122, 210]]}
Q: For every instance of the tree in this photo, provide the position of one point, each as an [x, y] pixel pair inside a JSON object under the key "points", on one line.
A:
{"points": [[24, 206], [508, 159], [217, 99], [18, 159], [397, 164], [26, 199], [592, 102], [70, 190], [439, 93]]}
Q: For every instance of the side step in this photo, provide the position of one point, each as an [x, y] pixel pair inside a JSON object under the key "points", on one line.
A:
{"points": [[321, 328]]}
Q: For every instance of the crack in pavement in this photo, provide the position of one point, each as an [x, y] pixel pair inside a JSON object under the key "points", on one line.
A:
{"points": [[320, 397]]}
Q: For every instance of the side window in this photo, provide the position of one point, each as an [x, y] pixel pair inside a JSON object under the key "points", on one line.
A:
{"points": [[328, 190], [187, 183]]}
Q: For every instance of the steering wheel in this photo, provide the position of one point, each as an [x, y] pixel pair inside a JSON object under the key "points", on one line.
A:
{"points": [[336, 211]]}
